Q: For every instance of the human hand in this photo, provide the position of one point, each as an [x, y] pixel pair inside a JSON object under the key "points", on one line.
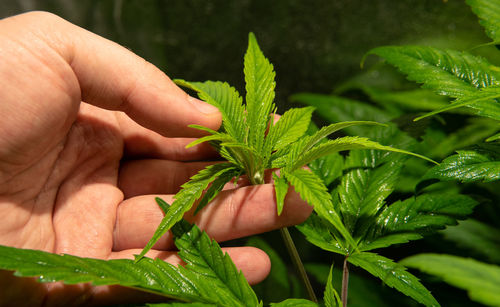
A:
{"points": [[90, 134]]}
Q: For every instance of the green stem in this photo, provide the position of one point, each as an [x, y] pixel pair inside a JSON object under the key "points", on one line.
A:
{"points": [[345, 282], [297, 263]]}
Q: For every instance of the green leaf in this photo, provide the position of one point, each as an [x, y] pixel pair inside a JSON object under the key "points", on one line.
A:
{"points": [[425, 212], [259, 78], [185, 198], [394, 275], [345, 143], [388, 240], [487, 96], [313, 191], [362, 192], [291, 126], [447, 72], [219, 137], [154, 276], [216, 186], [481, 164], [281, 189], [489, 13], [480, 280], [331, 297], [203, 256], [328, 168], [492, 138], [318, 231], [295, 302], [475, 236], [226, 99]]}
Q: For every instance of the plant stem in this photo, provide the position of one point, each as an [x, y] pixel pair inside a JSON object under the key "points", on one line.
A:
{"points": [[297, 263], [345, 282]]}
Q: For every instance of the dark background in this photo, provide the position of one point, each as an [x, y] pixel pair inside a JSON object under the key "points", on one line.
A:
{"points": [[314, 45]]}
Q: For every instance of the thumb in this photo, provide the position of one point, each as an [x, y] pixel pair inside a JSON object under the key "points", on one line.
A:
{"points": [[112, 77]]}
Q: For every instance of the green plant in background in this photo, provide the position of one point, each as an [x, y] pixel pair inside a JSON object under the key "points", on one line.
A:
{"points": [[472, 82], [365, 202]]}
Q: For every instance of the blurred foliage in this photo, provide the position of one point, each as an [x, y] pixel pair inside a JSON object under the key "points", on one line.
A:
{"points": [[314, 45]]}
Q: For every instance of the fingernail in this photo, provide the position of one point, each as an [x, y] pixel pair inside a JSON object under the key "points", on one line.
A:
{"points": [[202, 106]]}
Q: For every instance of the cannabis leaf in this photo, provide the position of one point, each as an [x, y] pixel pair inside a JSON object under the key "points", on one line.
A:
{"points": [[208, 277], [447, 72], [489, 13], [479, 279], [481, 163], [394, 275], [186, 197]]}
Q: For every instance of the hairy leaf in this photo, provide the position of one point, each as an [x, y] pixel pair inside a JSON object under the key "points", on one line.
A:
{"points": [[205, 259], [314, 192], [226, 99], [479, 279], [481, 164], [185, 198], [394, 275], [489, 13], [259, 78]]}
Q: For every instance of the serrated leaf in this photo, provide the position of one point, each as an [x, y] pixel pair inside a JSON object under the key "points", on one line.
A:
{"points": [[494, 137], [295, 302], [362, 192], [388, 240], [341, 144], [259, 79], [317, 231], [487, 96], [482, 164], [424, 213], [151, 275], [219, 137], [480, 280], [185, 198], [312, 190], [205, 259], [281, 189], [226, 99], [489, 13], [394, 275], [331, 297], [447, 72], [328, 168], [216, 186], [291, 126]]}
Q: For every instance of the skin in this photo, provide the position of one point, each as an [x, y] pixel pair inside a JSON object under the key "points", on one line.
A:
{"points": [[90, 134]]}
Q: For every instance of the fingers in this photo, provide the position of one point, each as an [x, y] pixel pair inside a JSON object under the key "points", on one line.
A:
{"points": [[112, 77], [142, 142], [232, 214], [143, 177], [253, 262]]}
